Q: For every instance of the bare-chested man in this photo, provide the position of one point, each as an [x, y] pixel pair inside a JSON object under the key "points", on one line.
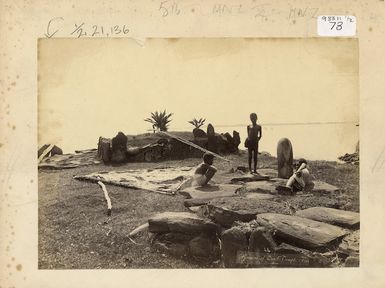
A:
{"points": [[254, 134], [203, 173]]}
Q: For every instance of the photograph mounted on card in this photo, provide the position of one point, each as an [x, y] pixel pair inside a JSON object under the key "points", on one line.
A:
{"points": [[142, 161]]}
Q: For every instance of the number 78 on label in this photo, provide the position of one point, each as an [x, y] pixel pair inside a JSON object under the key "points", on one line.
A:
{"points": [[336, 25]]}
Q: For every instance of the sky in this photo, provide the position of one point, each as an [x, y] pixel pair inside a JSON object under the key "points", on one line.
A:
{"points": [[97, 87]]}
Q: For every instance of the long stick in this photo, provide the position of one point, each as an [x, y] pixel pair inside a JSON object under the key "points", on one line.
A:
{"points": [[194, 145], [45, 152], [109, 206], [138, 229]]}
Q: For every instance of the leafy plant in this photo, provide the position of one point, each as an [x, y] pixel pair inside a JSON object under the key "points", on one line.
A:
{"points": [[197, 123], [159, 120]]}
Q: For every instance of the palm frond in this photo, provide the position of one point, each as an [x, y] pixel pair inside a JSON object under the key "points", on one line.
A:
{"points": [[160, 120]]}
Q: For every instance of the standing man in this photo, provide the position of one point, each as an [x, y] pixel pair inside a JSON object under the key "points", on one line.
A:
{"points": [[254, 134]]}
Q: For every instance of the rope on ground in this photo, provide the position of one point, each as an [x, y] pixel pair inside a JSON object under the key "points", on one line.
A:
{"points": [[195, 146], [109, 206]]}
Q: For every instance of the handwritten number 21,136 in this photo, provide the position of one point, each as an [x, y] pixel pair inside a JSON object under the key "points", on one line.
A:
{"points": [[337, 25], [114, 30]]}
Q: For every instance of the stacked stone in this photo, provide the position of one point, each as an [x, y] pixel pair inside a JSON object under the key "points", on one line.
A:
{"points": [[184, 234]]}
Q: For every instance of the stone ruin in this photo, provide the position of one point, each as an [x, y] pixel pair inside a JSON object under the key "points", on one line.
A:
{"points": [[285, 158], [218, 143], [249, 222], [239, 227], [157, 146]]}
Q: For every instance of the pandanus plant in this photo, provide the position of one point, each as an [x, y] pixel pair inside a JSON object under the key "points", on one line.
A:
{"points": [[197, 123], [159, 120]]}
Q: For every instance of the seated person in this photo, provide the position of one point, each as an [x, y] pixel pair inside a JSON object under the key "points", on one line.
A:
{"points": [[301, 179], [203, 173]]}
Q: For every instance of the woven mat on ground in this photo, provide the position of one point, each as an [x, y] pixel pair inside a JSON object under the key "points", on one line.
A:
{"points": [[162, 180], [68, 161]]}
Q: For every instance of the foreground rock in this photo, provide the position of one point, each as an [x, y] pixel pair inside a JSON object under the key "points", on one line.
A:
{"points": [[249, 178], [199, 246], [183, 234], [272, 173], [323, 188], [337, 217], [350, 244], [320, 188], [352, 261], [261, 241], [302, 232], [233, 240], [250, 245], [262, 186], [183, 222], [291, 256], [202, 195], [225, 211]]}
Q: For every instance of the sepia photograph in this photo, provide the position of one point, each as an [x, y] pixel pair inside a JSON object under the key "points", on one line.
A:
{"points": [[194, 153]]}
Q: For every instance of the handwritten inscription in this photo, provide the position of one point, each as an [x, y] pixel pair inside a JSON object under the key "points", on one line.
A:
{"points": [[261, 11], [51, 30], [309, 12], [168, 8], [57, 25], [81, 30]]}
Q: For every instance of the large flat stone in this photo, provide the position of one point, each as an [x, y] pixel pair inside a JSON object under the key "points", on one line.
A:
{"points": [[332, 216], [262, 186], [321, 188], [301, 257], [272, 173], [181, 245], [211, 191], [249, 178], [301, 232], [189, 203], [225, 211], [184, 222]]}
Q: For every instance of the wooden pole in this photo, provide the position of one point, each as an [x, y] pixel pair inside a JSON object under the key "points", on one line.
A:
{"points": [[109, 206], [138, 229], [194, 145]]}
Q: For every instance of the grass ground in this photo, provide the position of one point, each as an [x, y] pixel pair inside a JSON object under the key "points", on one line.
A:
{"points": [[76, 233]]}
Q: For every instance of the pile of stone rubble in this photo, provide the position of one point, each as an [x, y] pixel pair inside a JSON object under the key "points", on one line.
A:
{"points": [[252, 225]]}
